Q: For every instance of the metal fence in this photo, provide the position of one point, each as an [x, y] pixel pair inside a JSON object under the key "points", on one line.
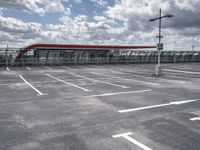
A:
{"points": [[7, 57]]}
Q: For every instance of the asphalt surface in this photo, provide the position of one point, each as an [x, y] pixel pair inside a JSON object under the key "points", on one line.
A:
{"points": [[105, 107]]}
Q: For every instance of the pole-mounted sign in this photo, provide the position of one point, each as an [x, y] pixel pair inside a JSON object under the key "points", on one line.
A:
{"points": [[160, 46]]}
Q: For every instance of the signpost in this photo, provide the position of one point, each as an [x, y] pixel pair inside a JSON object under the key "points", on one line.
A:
{"points": [[160, 45]]}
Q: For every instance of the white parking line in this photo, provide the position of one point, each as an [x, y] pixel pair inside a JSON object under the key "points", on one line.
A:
{"points": [[119, 72], [7, 68], [127, 137], [181, 71], [194, 119], [160, 105], [84, 89], [174, 76], [48, 68], [114, 77], [94, 80], [28, 68], [66, 67], [148, 83], [119, 93], [39, 93]]}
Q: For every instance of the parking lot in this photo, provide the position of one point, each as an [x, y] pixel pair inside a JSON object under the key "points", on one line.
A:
{"points": [[100, 107]]}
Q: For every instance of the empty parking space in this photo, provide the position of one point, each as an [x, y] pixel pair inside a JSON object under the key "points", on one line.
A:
{"points": [[110, 107]]}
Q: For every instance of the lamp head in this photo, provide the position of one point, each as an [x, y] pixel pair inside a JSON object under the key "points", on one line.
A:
{"points": [[151, 20], [169, 15]]}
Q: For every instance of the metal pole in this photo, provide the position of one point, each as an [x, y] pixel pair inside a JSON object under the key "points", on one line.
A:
{"points": [[159, 41], [7, 56], [157, 69]]}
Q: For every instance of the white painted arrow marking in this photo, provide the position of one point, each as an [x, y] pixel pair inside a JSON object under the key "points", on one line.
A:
{"points": [[160, 105], [127, 137]]}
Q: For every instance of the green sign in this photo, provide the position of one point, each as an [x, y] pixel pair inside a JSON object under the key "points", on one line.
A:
{"points": [[160, 46]]}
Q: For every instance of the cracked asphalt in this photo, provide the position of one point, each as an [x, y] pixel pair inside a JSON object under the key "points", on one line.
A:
{"points": [[77, 107]]}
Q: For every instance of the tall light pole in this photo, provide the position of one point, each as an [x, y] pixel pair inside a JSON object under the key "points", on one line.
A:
{"points": [[7, 56], [160, 46], [193, 47]]}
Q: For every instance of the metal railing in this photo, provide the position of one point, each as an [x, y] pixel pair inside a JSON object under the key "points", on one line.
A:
{"points": [[7, 58]]}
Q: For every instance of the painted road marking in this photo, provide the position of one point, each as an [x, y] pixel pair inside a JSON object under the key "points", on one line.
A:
{"points": [[84, 89], [119, 93], [119, 72], [39, 93], [160, 105], [114, 77], [157, 84], [194, 119], [174, 80], [127, 137], [94, 80], [48, 68], [181, 71], [7, 68], [174, 76], [28, 68], [66, 67]]}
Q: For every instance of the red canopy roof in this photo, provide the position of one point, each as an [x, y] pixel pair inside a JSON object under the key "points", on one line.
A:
{"points": [[80, 47], [100, 47]]}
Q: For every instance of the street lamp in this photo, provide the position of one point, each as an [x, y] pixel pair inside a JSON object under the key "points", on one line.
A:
{"points": [[193, 47], [157, 69], [7, 56]]}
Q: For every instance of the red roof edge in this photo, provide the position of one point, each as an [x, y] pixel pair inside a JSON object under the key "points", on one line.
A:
{"points": [[83, 47]]}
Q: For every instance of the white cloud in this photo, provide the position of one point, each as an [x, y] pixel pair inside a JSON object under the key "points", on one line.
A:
{"points": [[24, 5], [78, 1], [34, 6], [124, 23], [100, 2], [80, 30], [14, 31], [14, 26], [135, 15]]}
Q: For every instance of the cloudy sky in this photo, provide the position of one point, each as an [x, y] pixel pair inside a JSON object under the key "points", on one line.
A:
{"points": [[121, 22]]}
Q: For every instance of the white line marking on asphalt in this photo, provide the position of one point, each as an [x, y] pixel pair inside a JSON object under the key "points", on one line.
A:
{"points": [[127, 137], [48, 68], [66, 67], [175, 81], [94, 80], [160, 105], [119, 72], [86, 90], [119, 93], [28, 68], [114, 77], [174, 76], [181, 71], [39, 93], [194, 119], [7, 68], [84, 77], [150, 83]]}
